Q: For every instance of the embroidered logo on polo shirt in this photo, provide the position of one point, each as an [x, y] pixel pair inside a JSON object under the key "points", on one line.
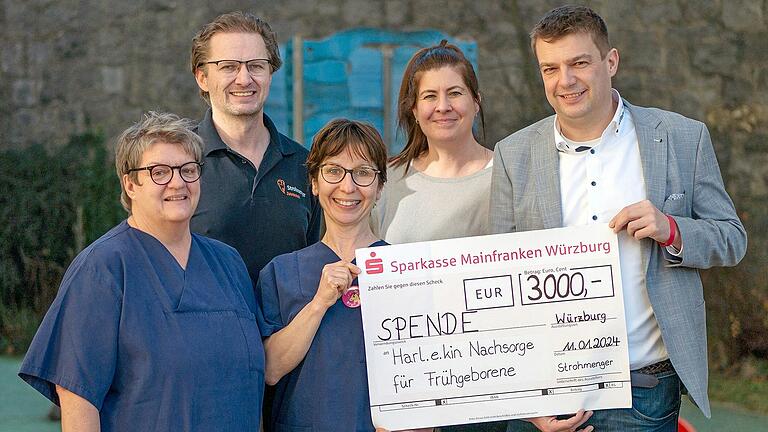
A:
{"points": [[288, 190]]}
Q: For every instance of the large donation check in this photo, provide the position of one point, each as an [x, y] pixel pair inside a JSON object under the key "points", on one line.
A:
{"points": [[495, 327]]}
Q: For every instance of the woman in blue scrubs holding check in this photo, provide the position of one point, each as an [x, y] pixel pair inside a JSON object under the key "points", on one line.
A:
{"points": [[309, 299], [153, 327]]}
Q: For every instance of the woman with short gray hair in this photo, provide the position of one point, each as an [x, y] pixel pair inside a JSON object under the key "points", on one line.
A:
{"points": [[153, 326]]}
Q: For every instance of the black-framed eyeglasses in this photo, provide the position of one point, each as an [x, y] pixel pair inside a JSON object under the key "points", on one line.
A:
{"points": [[362, 176], [163, 174], [255, 67]]}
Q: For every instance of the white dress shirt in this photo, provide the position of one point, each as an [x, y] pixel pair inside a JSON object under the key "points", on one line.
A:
{"points": [[597, 179]]}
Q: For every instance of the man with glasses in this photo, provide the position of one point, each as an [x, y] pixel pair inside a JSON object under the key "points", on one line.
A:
{"points": [[255, 191]]}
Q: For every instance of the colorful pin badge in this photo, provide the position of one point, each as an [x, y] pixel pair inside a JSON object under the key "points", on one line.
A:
{"points": [[351, 298]]}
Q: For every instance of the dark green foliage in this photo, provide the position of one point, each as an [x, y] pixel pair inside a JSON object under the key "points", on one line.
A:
{"points": [[52, 204], [737, 300], [17, 327]]}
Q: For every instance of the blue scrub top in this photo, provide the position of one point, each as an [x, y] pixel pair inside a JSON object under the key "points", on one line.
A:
{"points": [[328, 390], [153, 346]]}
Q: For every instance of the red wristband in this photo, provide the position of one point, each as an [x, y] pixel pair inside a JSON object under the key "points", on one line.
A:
{"points": [[672, 231]]}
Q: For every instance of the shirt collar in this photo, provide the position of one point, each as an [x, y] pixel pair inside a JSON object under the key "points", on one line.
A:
{"points": [[207, 131], [613, 127]]}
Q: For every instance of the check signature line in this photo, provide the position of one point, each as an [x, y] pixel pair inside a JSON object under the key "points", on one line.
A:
{"points": [[455, 334]]}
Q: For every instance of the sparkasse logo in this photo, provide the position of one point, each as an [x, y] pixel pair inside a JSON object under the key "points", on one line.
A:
{"points": [[374, 265]]}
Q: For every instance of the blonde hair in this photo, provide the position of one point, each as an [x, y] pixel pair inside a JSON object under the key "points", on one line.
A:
{"points": [[233, 22]]}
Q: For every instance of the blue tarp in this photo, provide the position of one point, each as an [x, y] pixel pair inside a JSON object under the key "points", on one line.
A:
{"points": [[344, 77]]}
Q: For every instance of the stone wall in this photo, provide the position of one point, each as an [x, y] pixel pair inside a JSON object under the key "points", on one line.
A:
{"points": [[68, 66], [71, 65]]}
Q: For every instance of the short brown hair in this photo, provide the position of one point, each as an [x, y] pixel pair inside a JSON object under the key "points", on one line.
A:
{"points": [[426, 59], [569, 19], [152, 128], [340, 135], [233, 22]]}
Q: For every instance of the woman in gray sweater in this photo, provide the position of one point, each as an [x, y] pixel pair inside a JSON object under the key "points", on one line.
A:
{"points": [[440, 182]]}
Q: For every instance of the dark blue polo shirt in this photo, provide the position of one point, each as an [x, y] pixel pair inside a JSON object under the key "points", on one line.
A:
{"points": [[260, 212]]}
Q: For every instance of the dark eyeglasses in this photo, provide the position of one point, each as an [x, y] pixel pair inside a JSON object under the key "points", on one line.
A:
{"points": [[362, 176], [163, 174], [255, 67]]}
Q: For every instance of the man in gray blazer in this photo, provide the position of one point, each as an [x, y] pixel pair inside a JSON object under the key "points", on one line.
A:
{"points": [[653, 177]]}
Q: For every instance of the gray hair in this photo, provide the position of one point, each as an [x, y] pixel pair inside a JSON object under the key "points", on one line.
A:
{"points": [[154, 127]]}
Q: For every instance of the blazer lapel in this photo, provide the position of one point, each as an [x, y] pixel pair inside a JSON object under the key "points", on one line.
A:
{"points": [[546, 170], [652, 141]]}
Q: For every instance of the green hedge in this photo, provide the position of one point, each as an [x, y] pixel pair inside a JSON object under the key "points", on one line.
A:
{"points": [[52, 204], [737, 301]]}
